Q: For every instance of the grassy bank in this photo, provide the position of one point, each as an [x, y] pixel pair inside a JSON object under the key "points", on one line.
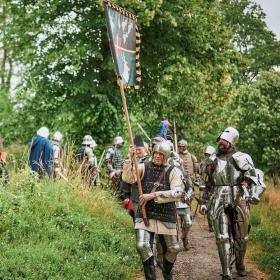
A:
{"points": [[265, 235], [49, 230]]}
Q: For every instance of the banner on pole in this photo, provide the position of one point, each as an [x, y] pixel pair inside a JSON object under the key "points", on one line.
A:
{"points": [[124, 41]]}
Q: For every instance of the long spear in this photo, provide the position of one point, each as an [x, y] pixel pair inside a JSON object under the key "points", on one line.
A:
{"points": [[175, 137], [143, 210]]}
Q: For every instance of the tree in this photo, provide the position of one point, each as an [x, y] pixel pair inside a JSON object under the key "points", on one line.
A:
{"points": [[257, 44], [259, 118], [188, 57]]}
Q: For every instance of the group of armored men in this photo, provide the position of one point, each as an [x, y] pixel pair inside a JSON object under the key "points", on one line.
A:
{"points": [[228, 184]]}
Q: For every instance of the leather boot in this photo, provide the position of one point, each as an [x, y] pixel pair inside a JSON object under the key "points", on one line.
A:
{"points": [[167, 270], [149, 269], [240, 250]]}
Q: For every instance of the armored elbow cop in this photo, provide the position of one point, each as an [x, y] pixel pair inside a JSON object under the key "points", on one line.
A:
{"points": [[257, 187]]}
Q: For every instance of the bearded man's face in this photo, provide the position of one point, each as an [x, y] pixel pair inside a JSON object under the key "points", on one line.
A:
{"points": [[223, 146]]}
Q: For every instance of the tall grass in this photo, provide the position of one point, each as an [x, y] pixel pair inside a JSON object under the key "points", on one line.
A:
{"points": [[49, 230], [265, 246]]}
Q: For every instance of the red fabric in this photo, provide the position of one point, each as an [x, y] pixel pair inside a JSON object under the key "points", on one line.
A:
{"points": [[128, 205]]}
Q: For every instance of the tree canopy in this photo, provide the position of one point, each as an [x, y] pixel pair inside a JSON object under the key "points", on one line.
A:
{"points": [[198, 60]]}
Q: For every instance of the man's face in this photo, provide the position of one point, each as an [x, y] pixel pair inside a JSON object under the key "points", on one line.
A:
{"points": [[182, 149], [223, 146], [140, 151], [158, 158], [119, 146], [206, 156]]}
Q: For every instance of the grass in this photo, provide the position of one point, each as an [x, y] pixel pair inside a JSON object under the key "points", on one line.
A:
{"points": [[49, 230], [264, 247]]}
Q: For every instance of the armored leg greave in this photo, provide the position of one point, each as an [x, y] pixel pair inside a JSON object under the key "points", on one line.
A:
{"points": [[170, 248], [186, 223], [221, 228], [144, 244]]}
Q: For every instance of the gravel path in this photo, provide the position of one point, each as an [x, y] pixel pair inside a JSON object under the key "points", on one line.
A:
{"points": [[201, 262]]}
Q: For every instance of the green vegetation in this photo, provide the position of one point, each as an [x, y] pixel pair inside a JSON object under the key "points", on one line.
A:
{"points": [[259, 117], [264, 237], [198, 60], [51, 231]]}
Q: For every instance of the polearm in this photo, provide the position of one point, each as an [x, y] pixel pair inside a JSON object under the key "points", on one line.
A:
{"points": [[101, 159], [175, 137], [143, 210], [144, 132]]}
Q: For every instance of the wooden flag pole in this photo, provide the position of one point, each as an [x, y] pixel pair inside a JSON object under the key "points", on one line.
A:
{"points": [[143, 210]]}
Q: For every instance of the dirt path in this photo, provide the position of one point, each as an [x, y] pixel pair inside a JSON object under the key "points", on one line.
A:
{"points": [[201, 262]]}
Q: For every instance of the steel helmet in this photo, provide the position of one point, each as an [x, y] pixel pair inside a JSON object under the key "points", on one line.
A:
{"points": [[156, 140], [57, 136], [43, 131], [118, 140], [87, 140], [163, 148], [210, 150], [183, 143], [230, 134]]}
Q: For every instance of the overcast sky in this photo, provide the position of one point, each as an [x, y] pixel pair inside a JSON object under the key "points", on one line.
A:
{"points": [[272, 10]]}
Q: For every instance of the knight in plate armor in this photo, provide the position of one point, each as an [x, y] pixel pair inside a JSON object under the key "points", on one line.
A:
{"points": [[114, 164], [206, 192], [88, 161], [57, 154], [162, 186], [236, 184]]}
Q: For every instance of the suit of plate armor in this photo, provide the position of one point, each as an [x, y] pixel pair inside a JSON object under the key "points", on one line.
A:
{"points": [[206, 192], [89, 167], [235, 182], [57, 154], [114, 164], [189, 168]]}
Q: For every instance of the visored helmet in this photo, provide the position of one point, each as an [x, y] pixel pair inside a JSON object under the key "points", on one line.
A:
{"points": [[87, 140], [230, 134], [118, 140], [210, 150], [182, 143], [57, 136], [163, 148]]}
